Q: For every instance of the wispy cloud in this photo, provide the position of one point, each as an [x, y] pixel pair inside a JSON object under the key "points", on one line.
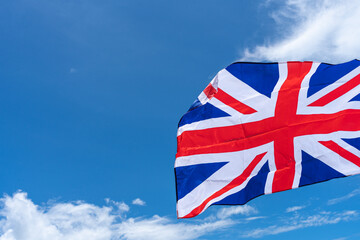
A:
{"points": [[324, 30], [121, 206], [298, 222], [139, 202], [21, 219], [294, 208], [349, 237], [227, 212], [254, 218], [162, 228], [343, 198]]}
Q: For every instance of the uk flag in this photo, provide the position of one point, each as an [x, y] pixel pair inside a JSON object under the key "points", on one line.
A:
{"points": [[261, 128]]}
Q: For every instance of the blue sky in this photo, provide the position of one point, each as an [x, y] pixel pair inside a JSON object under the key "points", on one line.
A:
{"points": [[91, 94]]}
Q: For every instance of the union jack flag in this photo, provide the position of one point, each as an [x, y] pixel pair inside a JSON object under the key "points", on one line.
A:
{"points": [[261, 128]]}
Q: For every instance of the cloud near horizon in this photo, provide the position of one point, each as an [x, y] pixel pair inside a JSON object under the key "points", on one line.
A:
{"points": [[21, 219], [325, 30], [298, 222]]}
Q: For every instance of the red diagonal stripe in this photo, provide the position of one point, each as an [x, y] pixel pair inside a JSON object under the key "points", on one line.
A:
{"points": [[331, 96], [233, 103], [342, 152], [209, 91], [234, 183]]}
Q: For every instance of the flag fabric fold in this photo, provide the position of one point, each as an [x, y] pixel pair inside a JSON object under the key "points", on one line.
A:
{"points": [[261, 128]]}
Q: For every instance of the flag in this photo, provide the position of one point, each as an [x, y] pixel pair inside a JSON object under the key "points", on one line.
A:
{"points": [[261, 128]]}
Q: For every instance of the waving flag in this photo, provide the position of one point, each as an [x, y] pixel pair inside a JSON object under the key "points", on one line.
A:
{"points": [[261, 128]]}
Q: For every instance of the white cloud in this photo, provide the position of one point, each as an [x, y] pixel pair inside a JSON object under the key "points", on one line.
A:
{"points": [[121, 206], [254, 218], [324, 30], [161, 228], [294, 208], [297, 222], [343, 198], [139, 202], [234, 210], [21, 219]]}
